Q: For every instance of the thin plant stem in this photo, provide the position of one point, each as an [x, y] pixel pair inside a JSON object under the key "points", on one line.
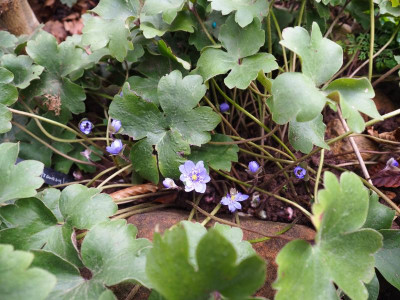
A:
{"points": [[384, 76], [238, 107], [203, 27], [303, 5], [302, 209], [321, 164], [138, 197], [51, 147], [195, 201], [278, 30], [114, 175], [372, 38], [212, 213], [100, 174], [337, 18], [139, 211]]}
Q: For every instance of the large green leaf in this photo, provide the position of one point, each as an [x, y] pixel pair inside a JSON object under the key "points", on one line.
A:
{"points": [[320, 58], [118, 9], [8, 92], [242, 45], [99, 33], [246, 10], [19, 281], [354, 95], [23, 69], [173, 130], [17, 181], [219, 157], [32, 225], [303, 135], [343, 251], [295, 98], [144, 161], [190, 263], [168, 8], [58, 61], [387, 7], [110, 252]]}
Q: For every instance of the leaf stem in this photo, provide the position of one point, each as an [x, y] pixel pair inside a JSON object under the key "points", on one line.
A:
{"points": [[321, 163], [212, 213], [372, 38], [114, 175], [278, 30]]}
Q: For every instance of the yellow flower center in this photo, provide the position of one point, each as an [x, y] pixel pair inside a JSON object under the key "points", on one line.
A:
{"points": [[194, 177], [233, 197]]}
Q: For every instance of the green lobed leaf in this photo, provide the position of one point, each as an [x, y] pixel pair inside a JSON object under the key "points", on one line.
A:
{"points": [[59, 61], [246, 10], [99, 33], [190, 263], [167, 52], [218, 157], [168, 8], [8, 92], [23, 69], [387, 259], [295, 98], [343, 251], [320, 58], [107, 264], [144, 161], [5, 118], [118, 9], [387, 7], [21, 180], [303, 135], [379, 216], [20, 281], [354, 95]]}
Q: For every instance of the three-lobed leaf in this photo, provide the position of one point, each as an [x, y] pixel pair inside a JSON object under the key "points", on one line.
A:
{"points": [[343, 250]]}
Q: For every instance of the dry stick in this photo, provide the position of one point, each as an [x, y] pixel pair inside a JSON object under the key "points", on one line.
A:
{"points": [[336, 19], [383, 77], [355, 148], [51, 147]]}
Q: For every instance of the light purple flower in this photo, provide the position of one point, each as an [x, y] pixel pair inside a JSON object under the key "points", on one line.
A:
{"points": [[253, 167], [299, 172], [223, 107], [169, 183], [86, 126], [194, 176], [232, 200], [115, 125], [115, 147], [392, 163]]}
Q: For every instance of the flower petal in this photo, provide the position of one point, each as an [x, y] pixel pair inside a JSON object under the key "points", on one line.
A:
{"points": [[225, 200], [189, 166], [200, 187], [237, 205]]}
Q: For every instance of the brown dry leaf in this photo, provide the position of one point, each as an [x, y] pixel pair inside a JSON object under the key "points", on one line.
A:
{"points": [[390, 195], [170, 198], [134, 190], [49, 2], [387, 178], [393, 136], [74, 27], [57, 29]]}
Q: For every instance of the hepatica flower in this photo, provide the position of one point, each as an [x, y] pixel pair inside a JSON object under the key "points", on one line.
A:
{"points": [[232, 200], [224, 107], [194, 176], [253, 167], [299, 172], [115, 125], [115, 147], [169, 183], [86, 126]]}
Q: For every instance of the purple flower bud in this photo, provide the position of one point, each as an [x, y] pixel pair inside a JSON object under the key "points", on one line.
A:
{"points": [[115, 125], [86, 126], [169, 183], [115, 147], [299, 172], [223, 107], [253, 167], [121, 94], [394, 163]]}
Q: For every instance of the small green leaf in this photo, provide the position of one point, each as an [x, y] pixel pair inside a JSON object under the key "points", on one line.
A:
{"points": [[7, 40], [387, 259], [8, 92], [99, 33], [303, 135], [354, 95], [320, 58], [190, 263], [246, 10], [168, 8], [76, 200], [218, 157], [6, 76], [144, 161], [5, 118], [379, 216], [21, 180], [343, 251], [295, 98], [18, 281], [23, 69], [167, 52]]}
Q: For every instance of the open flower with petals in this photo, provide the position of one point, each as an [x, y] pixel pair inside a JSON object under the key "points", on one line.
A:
{"points": [[232, 200], [299, 172], [115, 147], [194, 176]]}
